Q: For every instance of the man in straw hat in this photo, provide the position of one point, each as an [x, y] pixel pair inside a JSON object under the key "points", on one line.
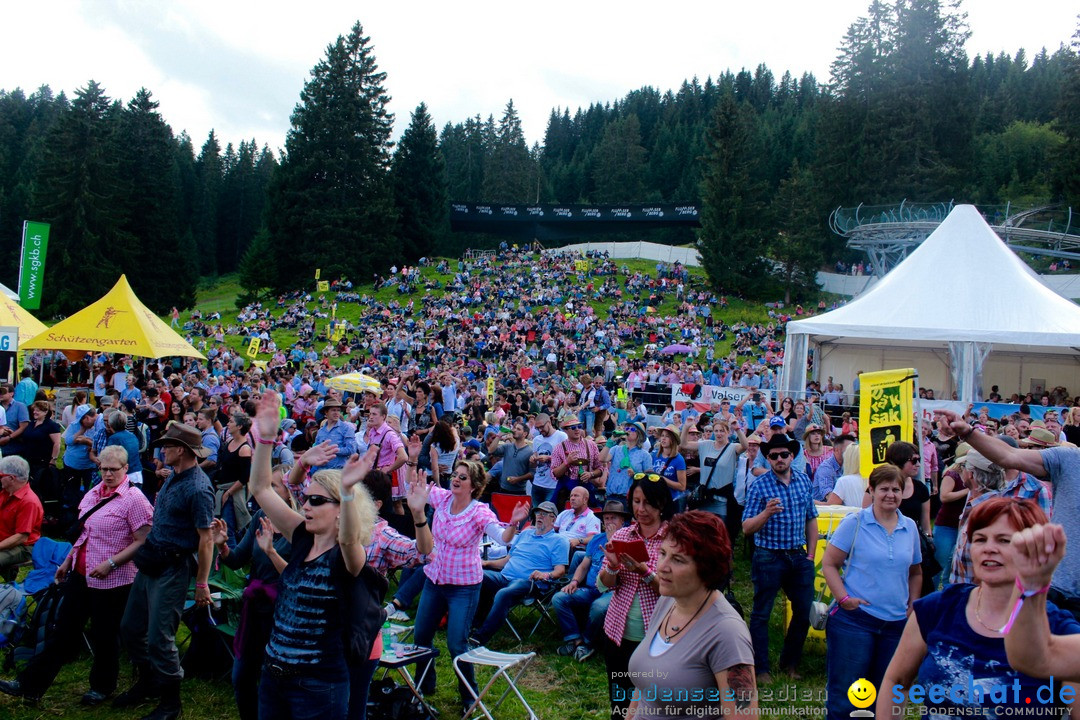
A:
{"points": [[181, 528], [781, 515]]}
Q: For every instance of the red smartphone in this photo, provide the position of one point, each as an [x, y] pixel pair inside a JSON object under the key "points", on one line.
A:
{"points": [[634, 548]]}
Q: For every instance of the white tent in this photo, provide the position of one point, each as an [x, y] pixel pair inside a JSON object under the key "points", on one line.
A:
{"points": [[959, 295], [9, 292]]}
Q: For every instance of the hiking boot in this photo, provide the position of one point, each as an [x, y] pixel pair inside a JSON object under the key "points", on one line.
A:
{"points": [[140, 692], [169, 707]]}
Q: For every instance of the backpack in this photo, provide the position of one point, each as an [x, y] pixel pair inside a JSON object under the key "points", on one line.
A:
{"points": [[12, 614], [41, 626], [390, 701]]}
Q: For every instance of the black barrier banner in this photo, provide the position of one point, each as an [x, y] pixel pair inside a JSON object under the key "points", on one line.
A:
{"points": [[495, 212]]}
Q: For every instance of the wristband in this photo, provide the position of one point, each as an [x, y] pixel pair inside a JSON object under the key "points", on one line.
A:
{"points": [[112, 564], [420, 524], [1024, 594], [649, 578], [201, 586], [965, 436], [346, 497], [838, 604], [259, 439]]}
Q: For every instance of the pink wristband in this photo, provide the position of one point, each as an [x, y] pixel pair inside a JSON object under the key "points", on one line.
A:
{"points": [[1024, 594], [202, 586], [839, 602], [258, 438]]}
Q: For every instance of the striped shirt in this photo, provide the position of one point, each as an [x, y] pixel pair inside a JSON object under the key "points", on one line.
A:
{"points": [[786, 530], [111, 529], [457, 540]]}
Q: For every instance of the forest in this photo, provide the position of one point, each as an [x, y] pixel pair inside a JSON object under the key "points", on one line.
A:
{"points": [[905, 115]]}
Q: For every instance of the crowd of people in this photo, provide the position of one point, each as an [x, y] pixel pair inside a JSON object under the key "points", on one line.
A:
{"points": [[555, 486]]}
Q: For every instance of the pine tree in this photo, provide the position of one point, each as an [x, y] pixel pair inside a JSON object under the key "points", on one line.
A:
{"points": [[507, 178], [419, 177], [331, 203], [730, 236], [619, 163], [796, 248], [150, 191], [204, 219], [77, 191]]}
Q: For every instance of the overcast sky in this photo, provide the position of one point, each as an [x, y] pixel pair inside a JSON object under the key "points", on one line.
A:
{"points": [[238, 66]]}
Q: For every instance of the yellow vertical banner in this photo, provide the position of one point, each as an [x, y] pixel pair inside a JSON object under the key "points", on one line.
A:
{"points": [[491, 389], [318, 272], [253, 347], [886, 414]]}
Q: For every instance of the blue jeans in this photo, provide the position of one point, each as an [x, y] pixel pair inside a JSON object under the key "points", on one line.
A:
{"points": [[944, 546], [568, 607], [360, 678], [772, 571], [540, 495], [506, 595], [303, 697], [458, 602], [858, 646], [410, 585]]}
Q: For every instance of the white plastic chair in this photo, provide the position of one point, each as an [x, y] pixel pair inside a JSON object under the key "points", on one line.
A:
{"points": [[503, 663]]}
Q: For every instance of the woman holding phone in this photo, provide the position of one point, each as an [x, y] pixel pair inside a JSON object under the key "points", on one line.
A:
{"points": [[633, 581]]}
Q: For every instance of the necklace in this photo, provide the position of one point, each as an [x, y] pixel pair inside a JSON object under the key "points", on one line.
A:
{"points": [[674, 630], [978, 602]]}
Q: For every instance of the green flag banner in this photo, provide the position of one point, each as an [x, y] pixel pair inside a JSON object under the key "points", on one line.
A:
{"points": [[35, 240]]}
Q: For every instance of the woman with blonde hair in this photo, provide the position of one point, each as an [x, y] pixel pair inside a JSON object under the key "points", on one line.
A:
{"points": [[850, 489], [318, 632]]}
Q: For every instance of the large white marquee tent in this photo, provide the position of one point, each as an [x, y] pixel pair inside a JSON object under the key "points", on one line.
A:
{"points": [[962, 308]]}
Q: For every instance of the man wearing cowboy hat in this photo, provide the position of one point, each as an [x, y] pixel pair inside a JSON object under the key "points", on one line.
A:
{"points": [[181, 527], [536, 557], [781, 515], [337, 432], [581, 592]]}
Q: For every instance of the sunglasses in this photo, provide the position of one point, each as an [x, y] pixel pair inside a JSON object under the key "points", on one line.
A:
{"points": [[318, 500], [110, 470], [914, 460], [651, 477], [782, 455]]}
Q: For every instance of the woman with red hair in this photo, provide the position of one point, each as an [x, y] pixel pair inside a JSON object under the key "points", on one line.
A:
{"points": [[955, 638], [696, 639]]}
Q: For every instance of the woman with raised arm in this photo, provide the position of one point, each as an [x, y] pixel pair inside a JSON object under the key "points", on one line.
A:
{"points": [[317, 632]]}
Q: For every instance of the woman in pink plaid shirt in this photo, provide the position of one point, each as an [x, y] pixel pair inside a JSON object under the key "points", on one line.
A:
{"points": [[453, 577], [96, 578]]}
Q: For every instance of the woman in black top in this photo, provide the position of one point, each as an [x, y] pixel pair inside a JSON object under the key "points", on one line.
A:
{"points": [[41, 443], [915, 504], [234, 468]]}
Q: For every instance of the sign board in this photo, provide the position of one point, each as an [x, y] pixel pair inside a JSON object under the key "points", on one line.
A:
{"points": [[318, 272], [9, 339], [35, 242], [491, 389], [712, 394], [253, 347], [324, 286], [886, 414]]}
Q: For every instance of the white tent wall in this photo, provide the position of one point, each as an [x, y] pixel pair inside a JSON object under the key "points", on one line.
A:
{"points": [[912, 316]]}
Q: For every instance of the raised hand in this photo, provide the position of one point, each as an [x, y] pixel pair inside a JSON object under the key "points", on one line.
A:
{"points": [[353, 472], [268, 415], [219, 531], [319, 454], [264, 535], [415, 444], [1036, 553], [419, 492], [520, 513]]}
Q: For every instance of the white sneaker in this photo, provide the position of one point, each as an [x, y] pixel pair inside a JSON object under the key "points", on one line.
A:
{"points": [[395, 615]]}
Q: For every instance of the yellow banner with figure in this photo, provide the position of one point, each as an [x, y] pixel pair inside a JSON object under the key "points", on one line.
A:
{"points": [[886, 414], [324, 286], [581, 265], [253, 347], [491, 389], [318, 272]]}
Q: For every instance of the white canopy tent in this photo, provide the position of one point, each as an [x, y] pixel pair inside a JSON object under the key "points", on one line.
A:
{"points": [[962, 308]]}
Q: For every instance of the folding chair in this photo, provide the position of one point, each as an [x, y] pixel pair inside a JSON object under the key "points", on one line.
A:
{"points": [[539, 602], [503, 664]]}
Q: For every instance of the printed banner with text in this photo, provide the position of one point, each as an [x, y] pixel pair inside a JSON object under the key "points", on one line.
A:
{"points": [[703, 396], [35, 241], [885, 413]]}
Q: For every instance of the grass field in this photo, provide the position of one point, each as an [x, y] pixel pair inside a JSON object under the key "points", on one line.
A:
{"points": [[558, 688]]}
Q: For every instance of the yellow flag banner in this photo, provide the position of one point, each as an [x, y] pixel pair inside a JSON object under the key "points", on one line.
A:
{"points": [[318, 272], [491, 389], [253, 347], [581, 265], [886, 414], [324, 286]]}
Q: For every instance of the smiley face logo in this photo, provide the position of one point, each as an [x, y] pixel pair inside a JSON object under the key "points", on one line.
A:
{"points": [[862, 693]]}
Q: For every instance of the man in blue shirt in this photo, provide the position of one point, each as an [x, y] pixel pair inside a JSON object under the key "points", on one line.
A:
{"points": [[26, 390], [335, 431], [831, 468], [18, 418], [581, 593], [537, 556], [781, 515], [597, 403]]}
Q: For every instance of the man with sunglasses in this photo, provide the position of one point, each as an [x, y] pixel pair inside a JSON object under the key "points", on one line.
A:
{"points": [[781, 516]]}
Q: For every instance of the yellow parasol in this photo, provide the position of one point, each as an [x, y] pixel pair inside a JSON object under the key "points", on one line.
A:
{"points": [[117, 323], [356, 383]]}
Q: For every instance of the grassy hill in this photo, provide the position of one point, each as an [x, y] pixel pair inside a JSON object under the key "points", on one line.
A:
{"points": [[220, 295]]}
